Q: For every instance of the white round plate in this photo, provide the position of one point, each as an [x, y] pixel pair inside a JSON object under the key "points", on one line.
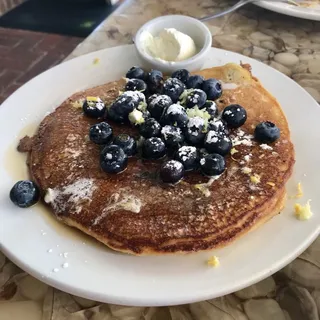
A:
{"points": [[311, 12], [40, 245]]}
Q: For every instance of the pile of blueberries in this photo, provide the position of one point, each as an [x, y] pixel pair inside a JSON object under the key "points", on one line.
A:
{"points": [[177, 119]]}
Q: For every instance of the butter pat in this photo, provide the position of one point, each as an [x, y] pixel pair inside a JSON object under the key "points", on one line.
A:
{"points": [[50, 196], [169, 45], [303, 212], [203, 188]]}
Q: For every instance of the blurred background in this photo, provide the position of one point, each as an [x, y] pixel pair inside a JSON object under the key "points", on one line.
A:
{"points": [[38, 34]]}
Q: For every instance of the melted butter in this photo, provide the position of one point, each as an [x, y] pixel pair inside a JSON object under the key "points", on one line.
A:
{"points": [[299, 191], [204, 187], [228, 86], [119, 201]]}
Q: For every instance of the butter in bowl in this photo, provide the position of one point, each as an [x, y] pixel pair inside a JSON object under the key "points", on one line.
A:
{"points": [[173, 42]]}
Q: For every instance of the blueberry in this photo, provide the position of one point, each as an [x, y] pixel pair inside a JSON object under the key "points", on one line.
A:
{"points": [[194, 82], [203, 152], [173, 88], [24, 194], [212, 164], [127, 143], [146, 114], [171, 171], [100, 133], [138, 95], [113, 159], [212, 87], [266, 132], [218, 126], [158, 105], [154, 81], [153, 148], [136, 73], [176, 116], [196, 97], [114, 116], [153, 96], [216, 142], [188, 156], [195, 131], [136, 85], [150, 128], [94, 107], [211, 108], [182, 74], [234, 115], [124, 104], [172, 136]]}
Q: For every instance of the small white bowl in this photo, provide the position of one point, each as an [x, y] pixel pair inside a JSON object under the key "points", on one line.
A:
{"points": [[190, 26]]}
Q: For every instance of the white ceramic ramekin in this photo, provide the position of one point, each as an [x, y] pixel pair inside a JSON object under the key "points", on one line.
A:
{"points": [[190, 26]]}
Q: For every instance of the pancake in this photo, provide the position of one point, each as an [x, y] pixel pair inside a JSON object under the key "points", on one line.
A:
{"points": [[133, 211]]}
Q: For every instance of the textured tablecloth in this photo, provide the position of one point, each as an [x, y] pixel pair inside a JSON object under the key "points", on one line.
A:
{"points": [[290, 45]]}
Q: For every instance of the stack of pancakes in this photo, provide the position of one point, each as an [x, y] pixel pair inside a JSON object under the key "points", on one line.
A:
{"points": [[133, 211]]}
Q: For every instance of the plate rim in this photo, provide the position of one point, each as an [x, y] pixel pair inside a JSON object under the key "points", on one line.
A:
{"points": [[205, 295], [313, 15]]}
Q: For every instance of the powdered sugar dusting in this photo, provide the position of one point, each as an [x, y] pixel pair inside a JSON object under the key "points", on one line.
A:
{"points": [[162, 100], [212, 137], [168, 131], [194, 96], [74, 147], [175, 109], [185, 151], [242, 138], [73, 153], [173, 164], [77, 193], [136, 96], [265, 147], [172, 84], [217, 125], [196, 122]]}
